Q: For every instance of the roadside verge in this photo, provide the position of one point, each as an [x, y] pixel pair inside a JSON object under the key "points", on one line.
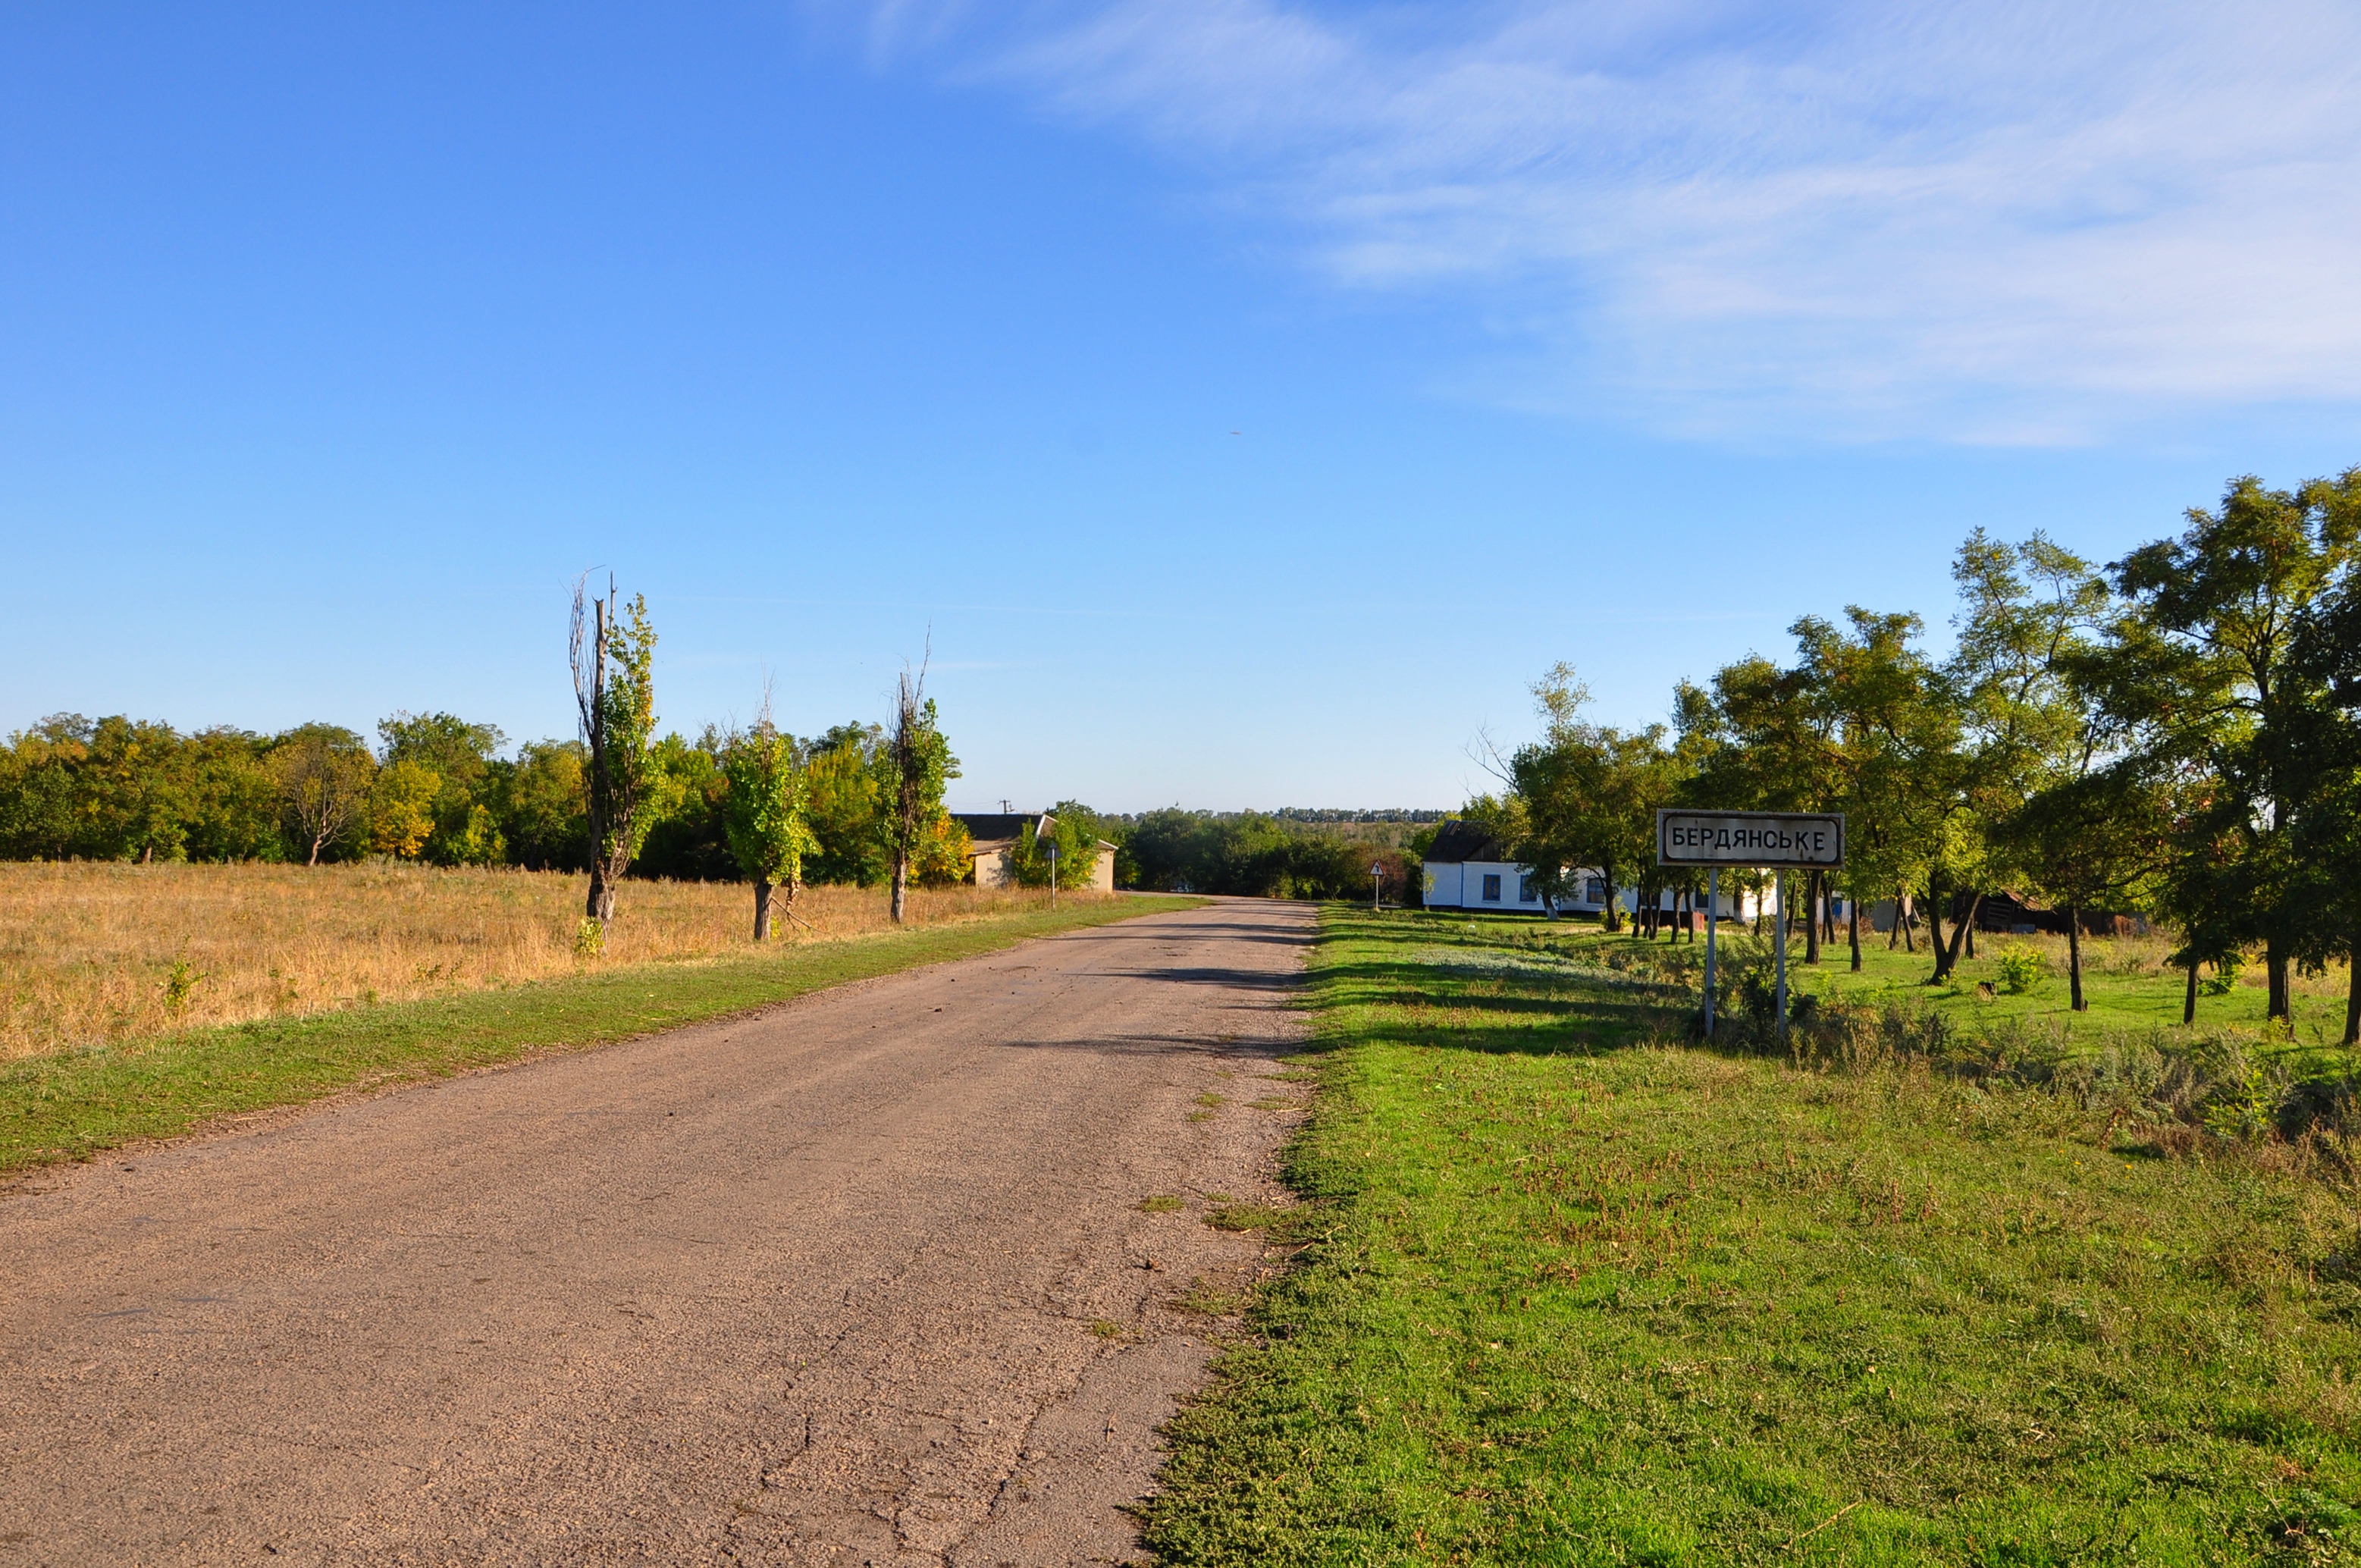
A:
{"points": [[72, 1104], [1573, 1291]]}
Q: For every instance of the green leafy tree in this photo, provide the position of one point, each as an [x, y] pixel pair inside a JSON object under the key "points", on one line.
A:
{"points": [[232, 799], [1873, 687], [2209, 682], [402, 809], [2327, 753], [614, 691], [688, 838], [1590, 795], [2080, 815], [462, 756], [849, 782], [1073, 830], [764, 812], [540, 804], [922, 767]]}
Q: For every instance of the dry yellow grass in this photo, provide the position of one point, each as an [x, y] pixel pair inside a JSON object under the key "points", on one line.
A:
{"points": [[92, 953]]}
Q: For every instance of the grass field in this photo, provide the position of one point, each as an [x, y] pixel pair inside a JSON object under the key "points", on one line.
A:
{"points": [[2125, 980], [1569, 1294], [92, 953], [63, 1104]]}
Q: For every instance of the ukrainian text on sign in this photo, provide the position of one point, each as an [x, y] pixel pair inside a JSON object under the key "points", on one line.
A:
{"points": [[1761, 839]]}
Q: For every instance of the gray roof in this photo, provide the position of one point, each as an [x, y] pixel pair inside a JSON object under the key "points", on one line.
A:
{"points": [[983, 826], [1461, 841]]}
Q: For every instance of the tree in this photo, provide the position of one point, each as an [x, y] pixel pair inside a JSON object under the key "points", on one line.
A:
{"points": [[1874, 688], [402, 809], [2080, 815], [461, 756], [2326, 753], [922, 765], [1073, 828], [614, 694], [849, 781], [2211, 639], [325, 773], [763, 814], [540, 805], [1588, 792]]}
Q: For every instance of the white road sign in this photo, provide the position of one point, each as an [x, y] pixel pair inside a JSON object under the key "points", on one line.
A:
{"points": [[1757, 838]]}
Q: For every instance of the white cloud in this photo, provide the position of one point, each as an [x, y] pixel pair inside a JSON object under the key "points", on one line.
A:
{"points": [[2004, 222]]}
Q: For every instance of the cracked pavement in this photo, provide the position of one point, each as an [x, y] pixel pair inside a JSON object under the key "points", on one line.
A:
{"points": [[858, 1279]]}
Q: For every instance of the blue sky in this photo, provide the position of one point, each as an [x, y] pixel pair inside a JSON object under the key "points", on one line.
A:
{"points": [[1248, 399]]}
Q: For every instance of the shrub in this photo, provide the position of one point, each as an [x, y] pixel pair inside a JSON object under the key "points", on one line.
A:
{"points": [[2022, 968]]}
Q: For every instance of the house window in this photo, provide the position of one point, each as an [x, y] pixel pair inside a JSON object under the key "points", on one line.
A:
{"points": [[1491, 887], [1595, 891], [1526, 891]]}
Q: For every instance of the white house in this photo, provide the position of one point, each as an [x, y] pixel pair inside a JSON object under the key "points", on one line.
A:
{"points": [[1467, 867]]}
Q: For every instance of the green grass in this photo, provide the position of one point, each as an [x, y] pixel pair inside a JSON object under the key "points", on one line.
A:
{"points": [[2127, 983], [69, 1105], [1570, 1295]]}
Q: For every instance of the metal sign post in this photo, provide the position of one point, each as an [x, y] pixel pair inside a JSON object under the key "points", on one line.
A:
{"points": [[1772, 841], [1377, 872], [1712, 918], [1053, 873]]}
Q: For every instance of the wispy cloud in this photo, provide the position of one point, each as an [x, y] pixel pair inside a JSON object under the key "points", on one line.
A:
{"points": [[2016, 222]]}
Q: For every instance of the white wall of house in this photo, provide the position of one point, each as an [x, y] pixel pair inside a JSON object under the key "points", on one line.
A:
{"points": [[1452, 884]]}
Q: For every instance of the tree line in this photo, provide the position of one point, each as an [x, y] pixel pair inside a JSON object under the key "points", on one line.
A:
{"points": [[2176, 734], [861, 803]]}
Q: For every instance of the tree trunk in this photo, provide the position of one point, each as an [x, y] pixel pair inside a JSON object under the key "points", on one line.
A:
{"points": [[2074, 956], [2275, 967], [1852, 908], [597, 903], [2353, 994], [1963, 932], [2189, 1003], [1812, 925], [315, 850], [901, 885], [761, 909], [1935, 933]]}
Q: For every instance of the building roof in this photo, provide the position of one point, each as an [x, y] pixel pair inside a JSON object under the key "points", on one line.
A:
{"points": [[1462, 841], [994, 829], [987, 825]]}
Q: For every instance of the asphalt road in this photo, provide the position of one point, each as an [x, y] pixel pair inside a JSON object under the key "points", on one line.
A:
{"points": [[861, 1279]]}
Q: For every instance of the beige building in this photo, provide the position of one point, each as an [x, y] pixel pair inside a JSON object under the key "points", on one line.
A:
{"points": [[992, 849]]}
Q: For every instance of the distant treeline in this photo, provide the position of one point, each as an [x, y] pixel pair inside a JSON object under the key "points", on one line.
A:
{"points": [[1257, 855], [1326, 814], [435, 788]]}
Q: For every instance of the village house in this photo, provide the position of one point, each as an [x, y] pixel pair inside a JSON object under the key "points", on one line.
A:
{"points": [[992, 850], [1467, 867]]}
